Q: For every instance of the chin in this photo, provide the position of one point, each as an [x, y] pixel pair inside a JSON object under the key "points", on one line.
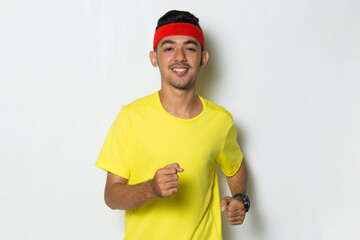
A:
{"points": [[181, 84]]}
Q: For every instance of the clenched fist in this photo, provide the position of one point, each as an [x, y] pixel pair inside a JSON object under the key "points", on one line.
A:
{"points": [[165, 182], [235, 210]]}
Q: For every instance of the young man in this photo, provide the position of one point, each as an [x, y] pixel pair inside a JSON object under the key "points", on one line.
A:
{"points": [[161, 152]]}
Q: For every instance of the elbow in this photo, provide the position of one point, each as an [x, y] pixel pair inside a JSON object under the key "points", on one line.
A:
{"points": [[113, 204], [109, 202]]}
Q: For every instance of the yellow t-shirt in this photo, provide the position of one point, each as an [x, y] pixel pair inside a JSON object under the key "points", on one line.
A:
{"points": [[144, 138]]}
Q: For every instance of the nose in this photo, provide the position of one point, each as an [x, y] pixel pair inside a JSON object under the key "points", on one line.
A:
{"points": [[180, 55]]}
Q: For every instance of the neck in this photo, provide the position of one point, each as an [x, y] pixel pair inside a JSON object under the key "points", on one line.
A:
{"points": [[180, 103]]}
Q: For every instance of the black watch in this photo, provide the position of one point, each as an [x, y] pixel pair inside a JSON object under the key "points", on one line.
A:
{"points": [[245, 199]]}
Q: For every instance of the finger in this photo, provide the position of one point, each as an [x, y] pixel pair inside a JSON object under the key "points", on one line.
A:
{"points": [[176, 166], [239, 218], [169, 171], [235, 213], [167, 189], [171, 185], [236, 207], [236, 222], [171, 178], [172, 171], [173, 165], [235, 210], [224, 203], [168, 192], [172, 191]]}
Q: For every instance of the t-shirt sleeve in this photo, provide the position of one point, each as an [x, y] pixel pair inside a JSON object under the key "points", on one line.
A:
{"points": [[114, 153], [231, 157]]}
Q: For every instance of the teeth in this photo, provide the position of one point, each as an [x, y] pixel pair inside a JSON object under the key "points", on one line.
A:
{"points": [[179, 69]]}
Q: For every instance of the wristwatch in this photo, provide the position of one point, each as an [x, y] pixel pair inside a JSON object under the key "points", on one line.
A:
{"points": [[245, 199]]}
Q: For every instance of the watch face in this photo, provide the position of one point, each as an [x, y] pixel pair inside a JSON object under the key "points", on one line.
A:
{"points": [[246, 203]]}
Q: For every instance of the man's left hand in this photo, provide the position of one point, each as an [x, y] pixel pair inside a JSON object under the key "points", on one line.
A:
{"points": [[235, 210]]}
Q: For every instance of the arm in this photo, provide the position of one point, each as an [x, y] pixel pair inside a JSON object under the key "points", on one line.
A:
{"points": [[238, 182], [234, 206], [120, 195]]}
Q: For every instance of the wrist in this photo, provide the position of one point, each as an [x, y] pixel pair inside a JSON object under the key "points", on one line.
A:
{"points": [[150, 192], [245, 200]]}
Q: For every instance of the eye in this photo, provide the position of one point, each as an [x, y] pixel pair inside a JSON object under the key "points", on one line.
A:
{"points": [[168, 49], [191, 49]]}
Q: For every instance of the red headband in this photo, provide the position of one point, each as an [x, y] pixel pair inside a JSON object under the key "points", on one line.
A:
{"points": [[186, 29]]}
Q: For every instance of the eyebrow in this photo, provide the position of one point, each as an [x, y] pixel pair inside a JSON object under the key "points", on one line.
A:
{"points": [[169, 41], [191, 42]]}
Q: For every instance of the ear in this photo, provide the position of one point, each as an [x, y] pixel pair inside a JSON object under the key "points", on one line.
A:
{"points": [[153, 59], [204, 58]]}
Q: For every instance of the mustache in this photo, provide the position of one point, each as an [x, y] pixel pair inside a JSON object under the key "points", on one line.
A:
{"points": [[179, 65]]}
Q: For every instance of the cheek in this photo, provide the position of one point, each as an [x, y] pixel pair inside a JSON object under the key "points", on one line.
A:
{"points": [[197, 60], [163, 60], [199, 56]]}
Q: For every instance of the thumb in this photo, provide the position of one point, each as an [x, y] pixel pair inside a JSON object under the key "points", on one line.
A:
{"points": [[176, 166], [224, 203]]}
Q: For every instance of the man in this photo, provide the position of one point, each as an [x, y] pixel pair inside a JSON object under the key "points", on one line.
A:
{"points": [[161, 152]]}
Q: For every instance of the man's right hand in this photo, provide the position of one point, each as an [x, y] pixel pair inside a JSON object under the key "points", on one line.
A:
{"points": [[165, 182]]}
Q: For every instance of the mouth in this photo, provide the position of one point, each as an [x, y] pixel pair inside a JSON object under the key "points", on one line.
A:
{"points": [[180, 69]]}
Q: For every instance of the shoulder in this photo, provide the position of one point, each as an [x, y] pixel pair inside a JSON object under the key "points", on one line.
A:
{"points": [[138, 106], [217, 109], [141, 103]]}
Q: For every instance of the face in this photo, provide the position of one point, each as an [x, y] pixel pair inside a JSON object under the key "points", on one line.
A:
{"points": [[179, 59]]}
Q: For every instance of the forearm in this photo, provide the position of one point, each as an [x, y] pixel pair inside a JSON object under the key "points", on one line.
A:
{"points": [[120, 195], [235, 207], [238, 182], [126, 197]]}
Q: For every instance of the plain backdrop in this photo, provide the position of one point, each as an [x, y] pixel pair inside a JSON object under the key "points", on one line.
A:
{"points": [[287, 70]]}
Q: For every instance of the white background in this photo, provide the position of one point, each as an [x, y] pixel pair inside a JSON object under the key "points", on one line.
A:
{"points": [[288, 71]]}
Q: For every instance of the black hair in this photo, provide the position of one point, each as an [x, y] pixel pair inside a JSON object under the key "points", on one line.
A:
{"points": [[176, 16]]}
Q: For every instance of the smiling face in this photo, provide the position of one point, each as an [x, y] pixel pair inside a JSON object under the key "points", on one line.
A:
{"points": [[179, 59]]}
